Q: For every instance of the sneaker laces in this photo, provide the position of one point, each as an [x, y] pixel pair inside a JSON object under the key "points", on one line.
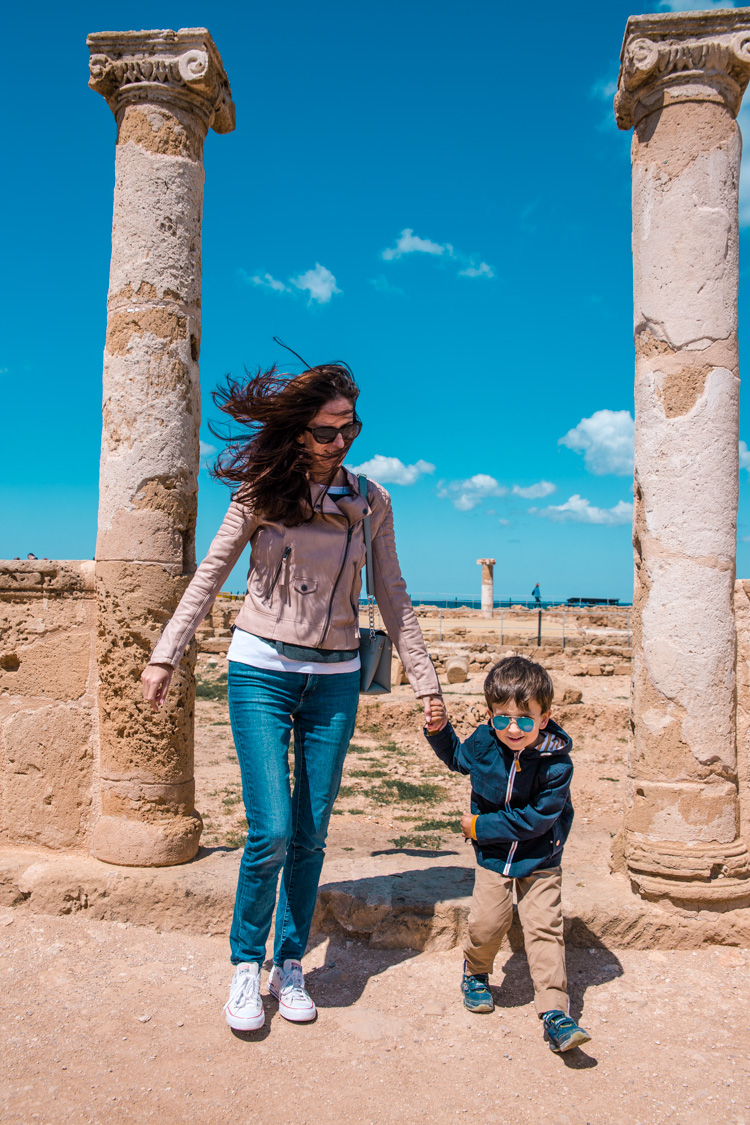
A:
{"points": [[246, 989], [476, 981], [294, 982]]}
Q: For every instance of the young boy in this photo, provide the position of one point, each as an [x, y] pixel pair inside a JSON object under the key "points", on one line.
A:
{"points": [[521, 813]]}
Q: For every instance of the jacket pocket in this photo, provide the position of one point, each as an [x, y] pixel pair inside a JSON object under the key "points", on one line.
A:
{"points": [[305, 585]]}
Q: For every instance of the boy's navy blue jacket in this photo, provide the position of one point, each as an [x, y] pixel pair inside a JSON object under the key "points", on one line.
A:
{"points": [[522, 801]]}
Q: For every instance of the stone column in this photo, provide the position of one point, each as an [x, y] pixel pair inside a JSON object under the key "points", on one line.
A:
{"points": [[681, 83], [488, 588], [165, 90]]}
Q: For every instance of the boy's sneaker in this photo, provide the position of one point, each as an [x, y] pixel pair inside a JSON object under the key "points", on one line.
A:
{"points": [[563, 1032], [244, 1008], [476, 990], [287, 984]]}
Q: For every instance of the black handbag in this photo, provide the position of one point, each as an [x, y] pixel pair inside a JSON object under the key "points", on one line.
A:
{"points": [[375, 646]]}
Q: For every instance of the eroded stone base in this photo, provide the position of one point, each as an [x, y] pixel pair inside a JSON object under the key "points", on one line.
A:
{"points": [[140, 843]]}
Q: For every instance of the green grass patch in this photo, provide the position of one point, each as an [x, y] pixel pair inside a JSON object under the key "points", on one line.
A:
{"points": [[215, 690], [417, 840], [373, 729], [348, 791], [368, 773], [393, 789], [392, 748], [221, 723], [355, 812], [438, 826], [235, 838], [355, 749]]}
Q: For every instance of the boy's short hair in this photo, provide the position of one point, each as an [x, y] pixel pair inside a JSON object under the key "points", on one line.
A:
{"points": [[521, 680]]}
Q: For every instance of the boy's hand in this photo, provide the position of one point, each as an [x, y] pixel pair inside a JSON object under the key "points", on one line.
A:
{"points": [[435, 715], [466, 822]]}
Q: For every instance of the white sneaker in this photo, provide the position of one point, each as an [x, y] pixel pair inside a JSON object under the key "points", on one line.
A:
{"points": [[244, 1008], [287, 984]]}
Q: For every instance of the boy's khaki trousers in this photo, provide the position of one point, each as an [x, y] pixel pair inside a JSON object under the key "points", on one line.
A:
{"points": [[540, 910]]}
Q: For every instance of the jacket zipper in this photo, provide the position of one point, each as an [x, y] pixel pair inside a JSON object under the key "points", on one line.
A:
{"points": [[335, 586], [284, 557], [508, 794]]}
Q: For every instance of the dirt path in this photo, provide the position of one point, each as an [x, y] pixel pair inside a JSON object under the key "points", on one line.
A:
{"points": [[104, 1022]]}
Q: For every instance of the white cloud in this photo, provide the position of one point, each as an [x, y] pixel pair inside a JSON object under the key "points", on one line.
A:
{"points": [[466, 494], [482, 270], [390, 470], [206, 449], [605, 88], [579, 510], [319, 283], [504, 523], [744, 456], [692, 5], [605, 440], [268, 282], [410, 243], [535, 491]]}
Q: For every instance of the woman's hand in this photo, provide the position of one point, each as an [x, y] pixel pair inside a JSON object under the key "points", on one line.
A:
{"points": [[435, 715], [155, 679], [467, 820]]}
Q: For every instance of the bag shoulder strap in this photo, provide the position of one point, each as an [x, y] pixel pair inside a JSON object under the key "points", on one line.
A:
{"points": [[368, 537]]}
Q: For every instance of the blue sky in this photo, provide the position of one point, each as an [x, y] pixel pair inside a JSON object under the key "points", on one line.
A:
{"points": [[436, 193]]}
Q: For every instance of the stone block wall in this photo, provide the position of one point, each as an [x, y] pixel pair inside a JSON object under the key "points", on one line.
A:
{"points": [[47, 703]]}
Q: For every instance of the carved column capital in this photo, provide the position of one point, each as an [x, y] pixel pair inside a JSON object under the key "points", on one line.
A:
{"points": [[182, 68], [689, 56]]}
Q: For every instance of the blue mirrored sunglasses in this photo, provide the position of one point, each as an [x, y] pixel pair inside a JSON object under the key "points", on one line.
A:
{"points": [[523, 722]]}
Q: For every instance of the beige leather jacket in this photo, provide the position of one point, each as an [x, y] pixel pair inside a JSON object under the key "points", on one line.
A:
{"points": [[304, 582]]}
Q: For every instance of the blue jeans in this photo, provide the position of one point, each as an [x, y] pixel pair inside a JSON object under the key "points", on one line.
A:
{"points": [[285, 830]]}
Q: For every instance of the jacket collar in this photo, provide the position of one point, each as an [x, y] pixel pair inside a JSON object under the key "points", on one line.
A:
{"points": [[354, 508]]}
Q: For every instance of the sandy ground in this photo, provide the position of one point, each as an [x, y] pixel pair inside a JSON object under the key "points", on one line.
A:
{"points": [[104, 1022]]}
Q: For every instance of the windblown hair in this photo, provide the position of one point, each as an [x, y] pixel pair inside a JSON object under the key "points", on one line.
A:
{"points": [[270, 466], [519, 680]]}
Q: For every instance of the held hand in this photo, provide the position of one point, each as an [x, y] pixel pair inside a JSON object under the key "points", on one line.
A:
{"points": [[466, 822], [155, 680], [435, 715]]}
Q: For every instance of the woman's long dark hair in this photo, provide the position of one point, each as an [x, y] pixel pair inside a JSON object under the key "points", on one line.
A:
{"points": [[270, 467]]}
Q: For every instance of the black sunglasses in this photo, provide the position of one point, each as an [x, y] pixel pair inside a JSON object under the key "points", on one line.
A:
{"points": [[325, 435]]}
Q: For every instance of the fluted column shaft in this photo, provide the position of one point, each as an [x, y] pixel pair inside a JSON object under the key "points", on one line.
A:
{"points": [[165, 89], [680, 88]]}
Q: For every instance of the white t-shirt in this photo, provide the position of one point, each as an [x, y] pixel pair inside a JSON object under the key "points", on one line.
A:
{"points": [[246, 648]]}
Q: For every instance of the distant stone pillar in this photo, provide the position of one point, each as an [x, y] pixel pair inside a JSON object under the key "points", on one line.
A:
{"points": [[681, 83], [488, 586], [165, 89]]}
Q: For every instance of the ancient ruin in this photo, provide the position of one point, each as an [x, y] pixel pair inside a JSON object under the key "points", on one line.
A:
{"points": [[87, 766], [165, 90], [488, 586], [681, 83]]}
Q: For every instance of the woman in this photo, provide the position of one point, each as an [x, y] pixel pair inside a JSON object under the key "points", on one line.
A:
{"points": [[293, 661]]}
